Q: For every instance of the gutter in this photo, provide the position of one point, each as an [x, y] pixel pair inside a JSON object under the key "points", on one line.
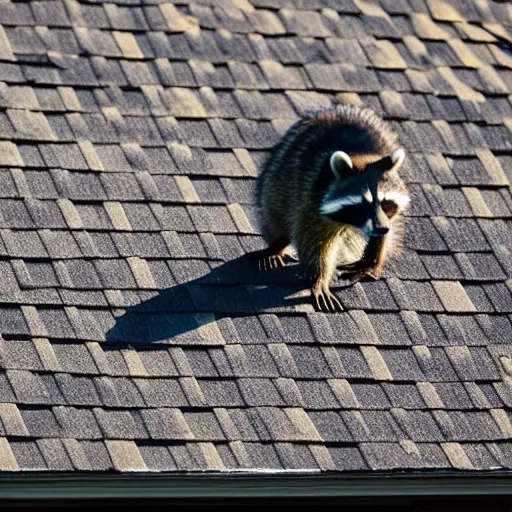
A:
{"points": [[251, 485]]}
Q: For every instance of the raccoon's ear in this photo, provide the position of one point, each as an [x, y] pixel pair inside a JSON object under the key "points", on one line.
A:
{"points": [[397, 158], [389, 163], [338, 162]]}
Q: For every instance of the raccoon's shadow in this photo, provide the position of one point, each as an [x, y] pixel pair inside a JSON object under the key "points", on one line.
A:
{"points": [[184, 312]]}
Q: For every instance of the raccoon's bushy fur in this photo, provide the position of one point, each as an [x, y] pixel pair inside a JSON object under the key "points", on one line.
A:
{"points": [[296, 175]]}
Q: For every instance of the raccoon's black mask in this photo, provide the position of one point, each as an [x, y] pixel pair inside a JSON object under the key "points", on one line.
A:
{"points": [[353, 197]]}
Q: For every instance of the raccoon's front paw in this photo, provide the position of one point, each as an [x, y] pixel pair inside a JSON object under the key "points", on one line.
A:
{"points": [[358, 271], [268, 260], [324, 300]]}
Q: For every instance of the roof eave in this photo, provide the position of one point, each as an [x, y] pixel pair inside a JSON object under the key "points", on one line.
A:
{"points": [[244, 485]]}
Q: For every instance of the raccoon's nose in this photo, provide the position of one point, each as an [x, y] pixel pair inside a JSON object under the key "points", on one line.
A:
{"points": [[380, 222]]}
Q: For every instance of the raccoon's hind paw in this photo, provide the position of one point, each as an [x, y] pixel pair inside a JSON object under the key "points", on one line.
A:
{"points": [[324, 300]]}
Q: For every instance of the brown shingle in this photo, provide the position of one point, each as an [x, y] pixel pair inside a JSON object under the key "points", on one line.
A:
{"points": [[5, 47], [457, 456], [461, 89], [176, 21], [425, 28], [128, 45], [467, 57], [141, 272], [442, 10], [477, 202], [184, 102], [9, 155], [12, 420], [125, 456], [7, 460], [117, 216], [344, 393], [383, 54], [492, 166], [376, 363], [453, 296]]}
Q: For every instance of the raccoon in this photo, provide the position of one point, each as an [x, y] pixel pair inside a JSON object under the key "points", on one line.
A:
{"points": [[331, 189]]}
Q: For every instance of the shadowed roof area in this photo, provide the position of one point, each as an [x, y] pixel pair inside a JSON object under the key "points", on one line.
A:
{"points": [[135, 335]]}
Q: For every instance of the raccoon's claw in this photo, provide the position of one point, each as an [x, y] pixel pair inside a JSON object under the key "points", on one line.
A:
{"points": [[271, 261], [326, 301]]}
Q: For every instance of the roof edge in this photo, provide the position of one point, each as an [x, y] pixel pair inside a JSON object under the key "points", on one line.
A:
{"points": [[242, 485]]}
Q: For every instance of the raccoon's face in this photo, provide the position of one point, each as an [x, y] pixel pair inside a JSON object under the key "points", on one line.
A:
{"points": [[365, 199]]}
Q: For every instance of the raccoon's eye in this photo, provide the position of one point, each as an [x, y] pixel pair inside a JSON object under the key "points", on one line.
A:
{"points": [[390, 208]]}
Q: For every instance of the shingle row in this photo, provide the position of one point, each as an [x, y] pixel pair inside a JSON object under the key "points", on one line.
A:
{"points": [[89, 455], [253, 359]]}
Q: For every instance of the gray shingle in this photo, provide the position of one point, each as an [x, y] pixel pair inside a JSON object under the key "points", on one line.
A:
{"points": [[157, 457], [480, 456], [350, 363], [370, 396], [21, 354], [97, 455], [12, 321], [423, 235], [331, 426], [347, 458], [317, 394], [127, 393], [28, 455], [24, 244], [77, 423], [46, 214], [370, 425], [14, 214], [310, 362], [158, 362], [60, 244], [221, 393], [393, 456], [41, 422], [453, 395], [166, 423], [54, 454], [161, 392], [404, 396], [402, 364], [435, 365], [204, 426], [390, 328], [74, 358], [28, 387], [462, 330], [500, 295], [462, 235], [118, 425], [78, 390], [442, 266], [296, 457], [467, 426]]}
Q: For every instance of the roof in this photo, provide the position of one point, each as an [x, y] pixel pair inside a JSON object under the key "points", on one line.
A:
{"points": [[136, 335]]}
